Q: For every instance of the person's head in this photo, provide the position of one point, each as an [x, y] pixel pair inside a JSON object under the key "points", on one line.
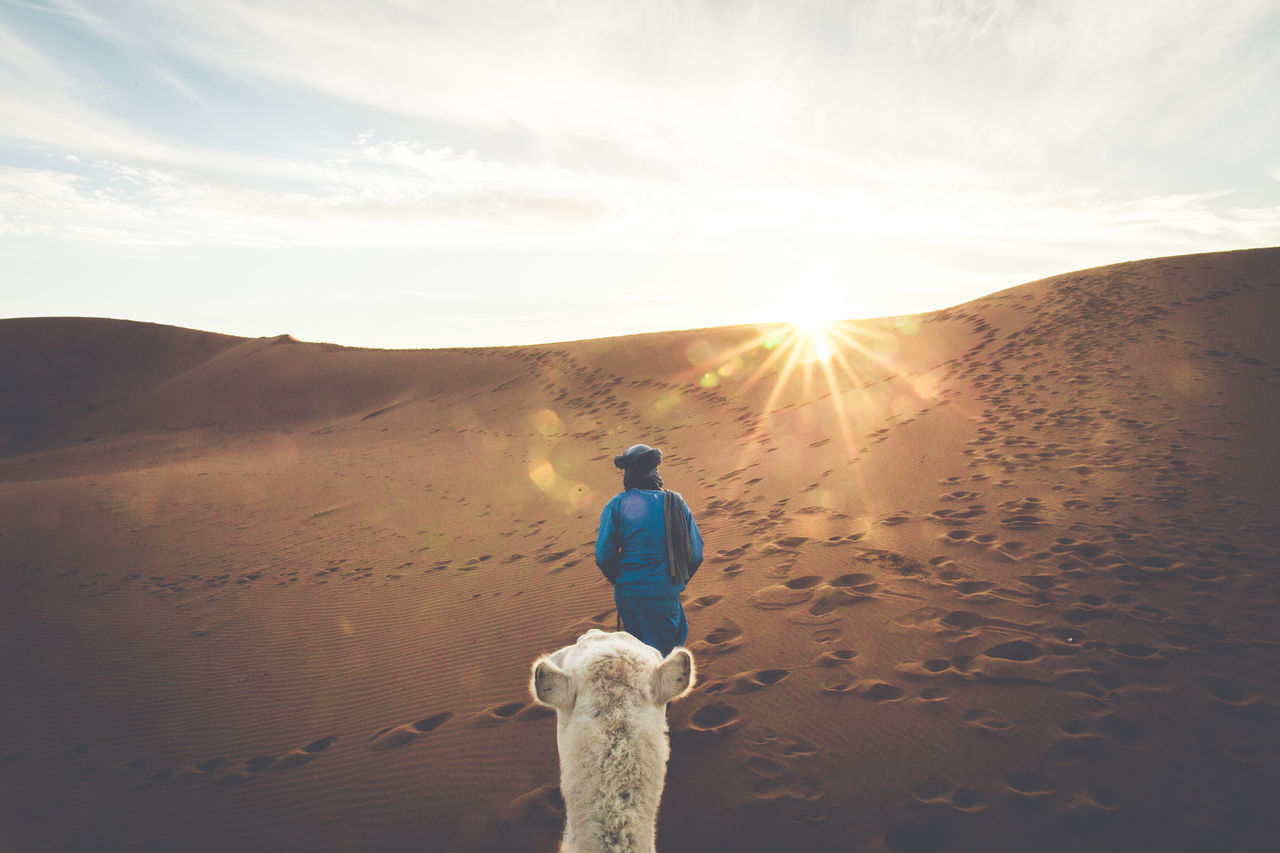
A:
{"points": [[639, 464]]}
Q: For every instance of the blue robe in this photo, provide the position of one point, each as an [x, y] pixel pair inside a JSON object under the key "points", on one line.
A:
{"points": [[632, 540]]}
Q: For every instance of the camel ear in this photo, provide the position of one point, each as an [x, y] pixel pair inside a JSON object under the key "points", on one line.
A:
{"points": [[550, 686], [674, 678]]}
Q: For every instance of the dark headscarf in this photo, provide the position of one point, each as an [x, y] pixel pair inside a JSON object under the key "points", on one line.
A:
{"points": [[639, 464], [635, 478]]}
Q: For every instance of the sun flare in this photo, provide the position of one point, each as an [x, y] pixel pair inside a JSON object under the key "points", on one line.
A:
{"points": [[812, 327], [806, 358], [818, 345]]}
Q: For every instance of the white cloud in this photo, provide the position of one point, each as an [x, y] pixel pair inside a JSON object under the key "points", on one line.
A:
{"points": [[756, 93], [401, 193]]}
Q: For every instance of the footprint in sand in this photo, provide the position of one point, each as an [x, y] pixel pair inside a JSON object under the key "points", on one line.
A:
{"points": [[398, 736], [1022, 521], [731, 554], [1159, 565], [1087, 609], [1138, 655], [784, 781], [715, 719], [935, 789], [971, 587], [1016, 650], [1079, 746], [1229, 692], [259, 763], [1041, 583], [1017, 661], [211, 765], [788, 594], [859, 581], [543, 805], [722, 640], [764, 766], [832, 596], [534, 711], [836, 657], [1095, 798], [305, 754], [880, 691], [872, 691], [1014, 550], [497, 715], [1031, 784], [921, 670], [842, 683], [248, 769], [192, 772], [827, 635], [747, 682], [958, 517], [956, 624], [967, 800], [981, 718], [703, 601], [797, 797]]}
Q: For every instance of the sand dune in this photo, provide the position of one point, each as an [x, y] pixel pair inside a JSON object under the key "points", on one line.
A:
{"points": [[1000, 577]]}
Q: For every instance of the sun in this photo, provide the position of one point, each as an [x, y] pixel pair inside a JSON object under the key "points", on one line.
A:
{"points": [[813, 327]]}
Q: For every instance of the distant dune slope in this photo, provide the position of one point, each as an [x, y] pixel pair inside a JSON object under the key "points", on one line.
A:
{"points": [[57, 371]]}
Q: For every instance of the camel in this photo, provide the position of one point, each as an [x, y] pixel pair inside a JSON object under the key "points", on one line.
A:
{"points": [[610, 692]]}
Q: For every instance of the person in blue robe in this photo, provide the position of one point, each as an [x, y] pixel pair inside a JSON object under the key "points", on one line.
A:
{"points": [[648, 547]]}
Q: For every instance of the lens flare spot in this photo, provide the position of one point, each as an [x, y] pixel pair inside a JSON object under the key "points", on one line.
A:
{"points": [[730, 367], [666, 403], [699, 351], [926, 387], [581, 496], [548, 422], [907, 325], [543, 475], [709, 379]]}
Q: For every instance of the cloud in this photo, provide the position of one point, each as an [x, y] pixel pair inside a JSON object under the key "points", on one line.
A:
{"points": [[407, 194], [757, 92]]}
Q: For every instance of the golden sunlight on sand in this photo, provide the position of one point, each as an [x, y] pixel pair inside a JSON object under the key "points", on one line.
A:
{"points": [[999, 577]]}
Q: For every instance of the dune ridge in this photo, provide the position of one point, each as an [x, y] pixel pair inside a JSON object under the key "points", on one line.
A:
{"points": [[1001, 572]]}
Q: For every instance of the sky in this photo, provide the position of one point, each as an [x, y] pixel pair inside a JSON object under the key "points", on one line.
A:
{"points": [[390, 173]]}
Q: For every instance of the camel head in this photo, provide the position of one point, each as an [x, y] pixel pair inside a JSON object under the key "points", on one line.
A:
{"points": [[610, 692], [604, 672]]}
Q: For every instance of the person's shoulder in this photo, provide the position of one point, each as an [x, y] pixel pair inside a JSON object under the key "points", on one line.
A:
{"points": [[632, 499]]}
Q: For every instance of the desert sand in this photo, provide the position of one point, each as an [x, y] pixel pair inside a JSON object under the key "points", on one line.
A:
{"points": [[1001, 577]]}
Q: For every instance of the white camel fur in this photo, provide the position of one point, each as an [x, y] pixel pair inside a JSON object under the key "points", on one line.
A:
{"points": [[610, 692]]}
